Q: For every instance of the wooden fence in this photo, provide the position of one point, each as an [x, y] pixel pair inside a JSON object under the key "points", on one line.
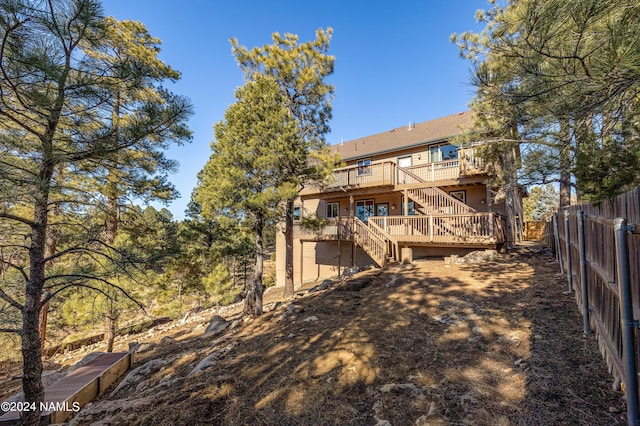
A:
{"points": [[598, 247]]}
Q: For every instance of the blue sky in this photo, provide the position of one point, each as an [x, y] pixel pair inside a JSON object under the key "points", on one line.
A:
{"points": [[394, 60]]}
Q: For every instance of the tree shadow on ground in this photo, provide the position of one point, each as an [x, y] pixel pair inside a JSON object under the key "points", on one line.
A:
{"points": [[495, 343]]}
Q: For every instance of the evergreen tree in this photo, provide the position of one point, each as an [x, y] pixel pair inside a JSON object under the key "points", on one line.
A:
{"points": [[565, 75], [58, 135], [300, 70], [541, 203], [243, 178]]}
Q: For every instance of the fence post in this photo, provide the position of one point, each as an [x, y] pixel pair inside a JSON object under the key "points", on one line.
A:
{"points": [[556, 240], [583, 274], [626, 319], [568, 244]]}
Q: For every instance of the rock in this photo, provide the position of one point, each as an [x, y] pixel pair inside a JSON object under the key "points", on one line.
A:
{"points": [[393, 280], [211, 359], [141, 347], [451, 259], [322, 286], [350, 271], [289, 311], [217, 325], [139, 373], [167, 340], [186, 317], [311, 318], [235, 324], [357, 284], [478, 256]]}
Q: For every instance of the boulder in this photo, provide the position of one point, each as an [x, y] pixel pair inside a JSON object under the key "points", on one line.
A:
{"points": [[322, 286], [167, 340], [217, 325]]}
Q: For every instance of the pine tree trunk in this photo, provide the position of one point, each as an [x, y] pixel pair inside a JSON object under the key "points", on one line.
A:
{"points": [[111, 314], [50, 248], [31, 343], [288, 237], [253, 300], [111, 325]]}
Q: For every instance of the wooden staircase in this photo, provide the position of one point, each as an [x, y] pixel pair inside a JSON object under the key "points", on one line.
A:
{"points": [[373, 241], [383, 247], [436, 201], [433, 199]]}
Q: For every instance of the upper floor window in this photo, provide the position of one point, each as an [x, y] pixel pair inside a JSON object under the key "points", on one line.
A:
{"points": [[333, 210], [442, 152], [363, 166], [297, 213]]}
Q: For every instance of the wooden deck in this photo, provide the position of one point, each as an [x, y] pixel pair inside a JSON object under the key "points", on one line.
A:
{"points": [[457, 229], [387, 173], [78, 387]]}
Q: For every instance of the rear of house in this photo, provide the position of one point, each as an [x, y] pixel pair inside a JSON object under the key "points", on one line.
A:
{"points": [[402, 194]]}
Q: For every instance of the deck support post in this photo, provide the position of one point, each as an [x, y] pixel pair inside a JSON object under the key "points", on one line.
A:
{"points": [[407, 255]]}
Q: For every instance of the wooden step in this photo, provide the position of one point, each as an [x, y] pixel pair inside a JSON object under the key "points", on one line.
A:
{"points": [[78, 388]]}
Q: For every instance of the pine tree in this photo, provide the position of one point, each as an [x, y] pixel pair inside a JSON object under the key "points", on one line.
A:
{"points": [[57, 99], [565, 74], [300, 70], [242, 178]]}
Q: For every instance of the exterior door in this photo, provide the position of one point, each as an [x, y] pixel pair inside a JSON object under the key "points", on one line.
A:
{"points": [[404, 162], [365, 209]]}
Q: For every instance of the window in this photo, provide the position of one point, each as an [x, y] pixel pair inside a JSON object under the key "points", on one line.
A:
{"points": [[442, 152], [363, 166], [382, 209], [333, 210], [460, 195], [411, 208], [404, 161], [296, 213], [364, 209]]}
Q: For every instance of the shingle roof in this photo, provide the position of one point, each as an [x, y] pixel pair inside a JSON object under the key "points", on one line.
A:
{"points": [[402, 137]]}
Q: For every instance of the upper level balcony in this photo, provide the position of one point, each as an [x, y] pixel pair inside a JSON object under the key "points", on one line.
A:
{"points": [[386, 173]]}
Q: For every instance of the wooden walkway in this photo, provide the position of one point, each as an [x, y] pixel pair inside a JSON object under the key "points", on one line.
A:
{"points": [[78, 387]]}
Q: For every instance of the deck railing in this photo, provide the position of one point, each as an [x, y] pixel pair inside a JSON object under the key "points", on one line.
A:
{"points": [[376, 174], [386, 172], [470, 163], [438, 201], [327, 229], [430, 172], [470, 228]]}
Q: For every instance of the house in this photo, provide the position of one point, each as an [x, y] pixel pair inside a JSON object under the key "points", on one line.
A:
{"points": [[402, 194]]}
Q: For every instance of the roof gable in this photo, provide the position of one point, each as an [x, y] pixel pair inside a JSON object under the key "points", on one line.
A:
{"points": [[405, 137]]}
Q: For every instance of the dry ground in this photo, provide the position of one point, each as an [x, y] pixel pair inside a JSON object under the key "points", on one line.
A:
{"points": [[498, 343]]}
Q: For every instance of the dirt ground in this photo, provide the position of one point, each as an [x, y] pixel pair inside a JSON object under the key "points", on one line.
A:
{"points": [[496, 343]]}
